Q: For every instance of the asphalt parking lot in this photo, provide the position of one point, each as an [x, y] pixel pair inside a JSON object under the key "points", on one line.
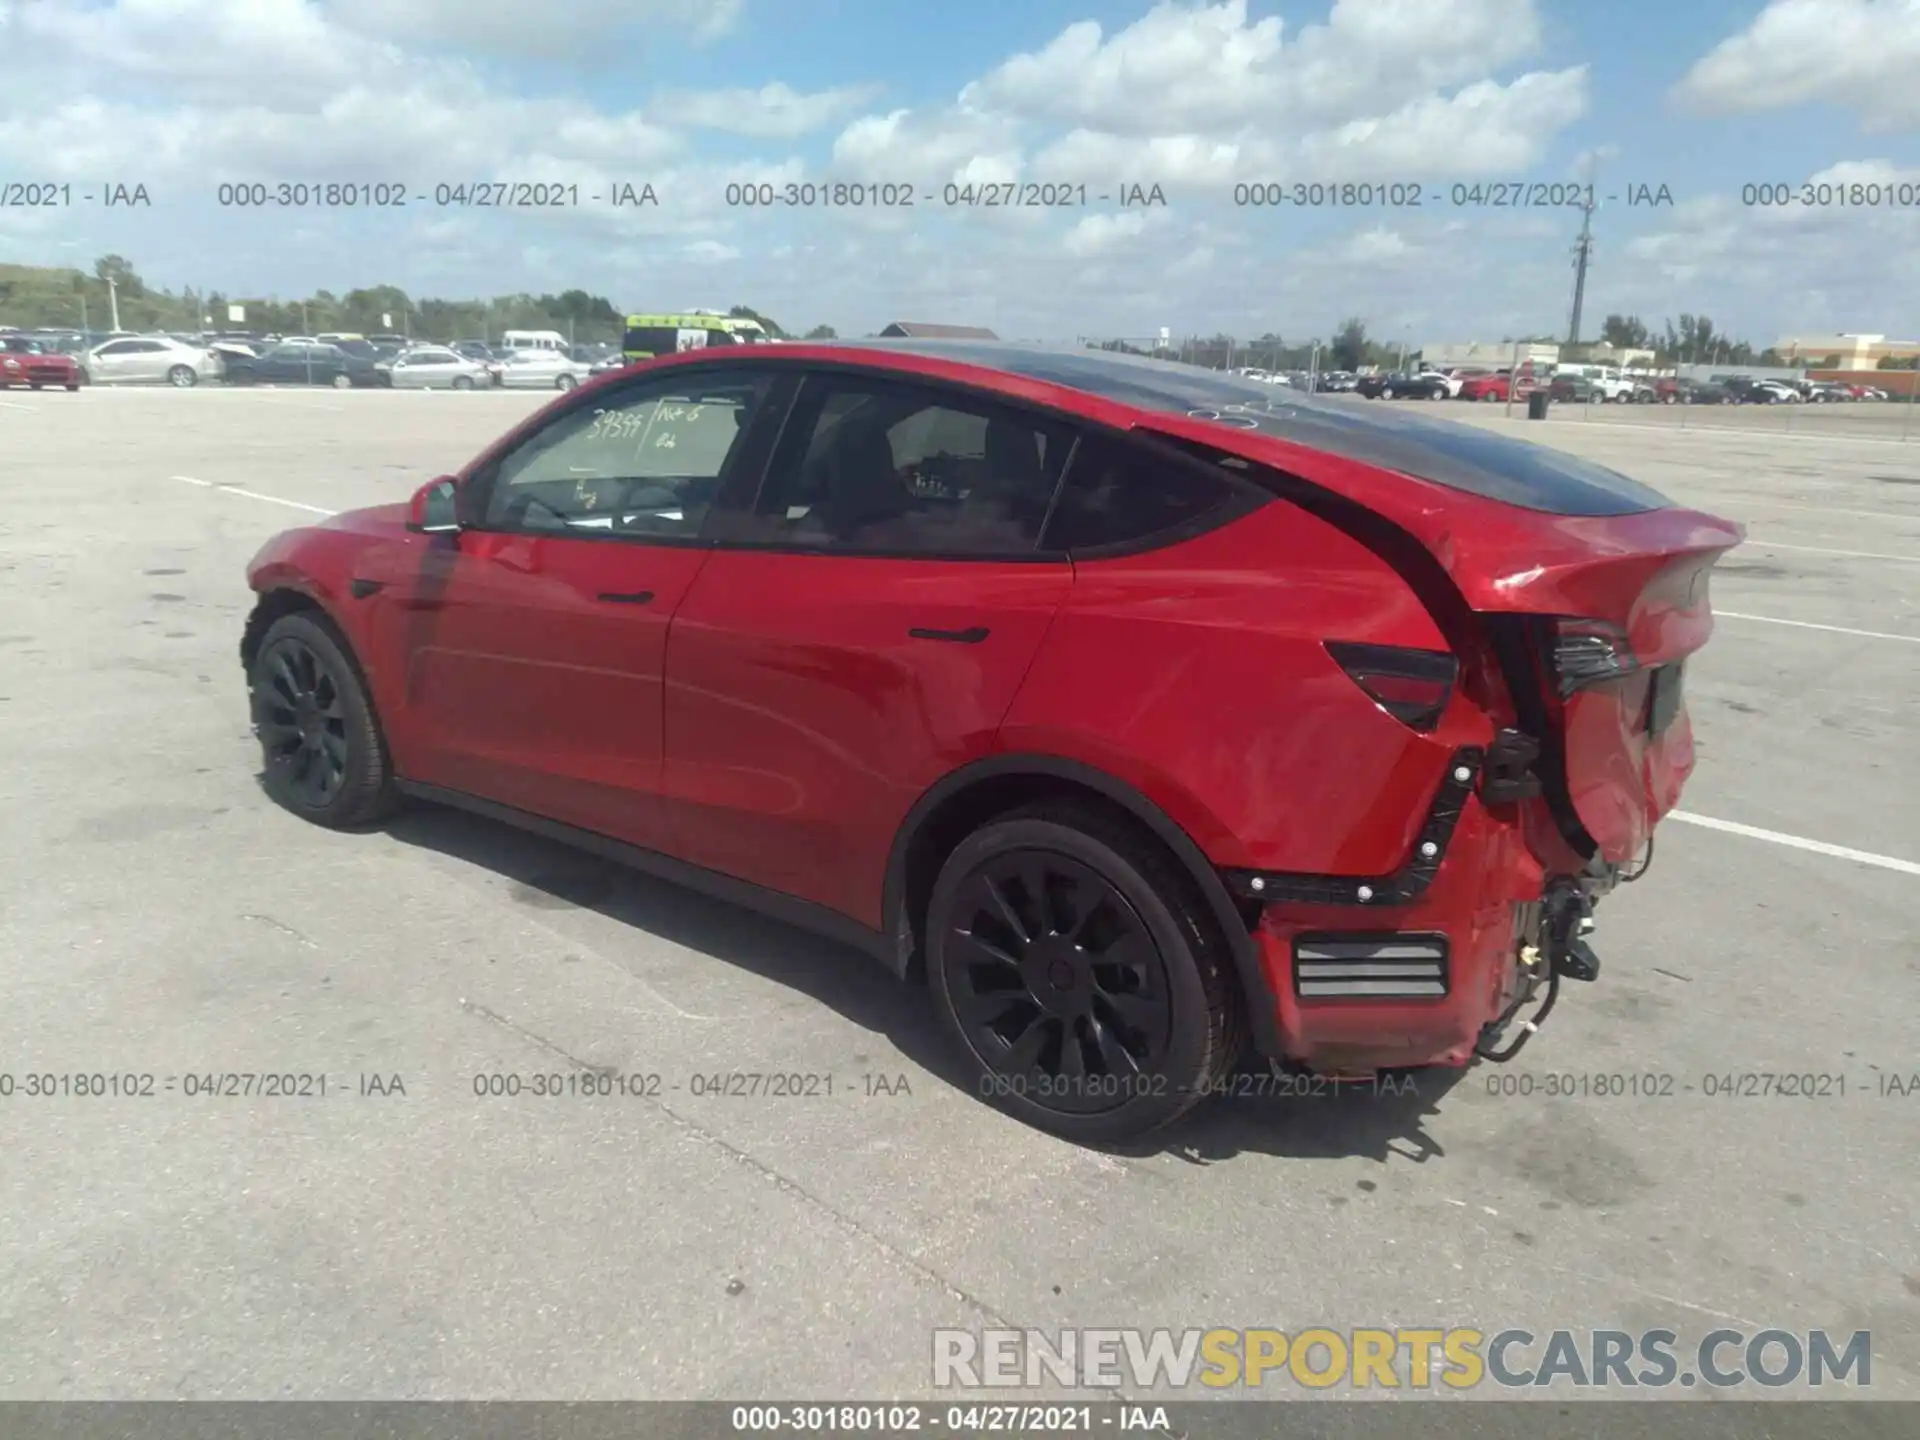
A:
{"points": [[162, 917]]}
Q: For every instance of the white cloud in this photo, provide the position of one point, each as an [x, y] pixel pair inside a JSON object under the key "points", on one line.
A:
{"points": [[1200, 96], [1203, 69], [771, 112], [197, 47], [518, 28], [1861, 55], [1102, 234]]}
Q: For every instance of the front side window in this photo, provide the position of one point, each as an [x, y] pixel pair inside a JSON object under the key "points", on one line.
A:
{"points": [[879, 466], [645, 461]]}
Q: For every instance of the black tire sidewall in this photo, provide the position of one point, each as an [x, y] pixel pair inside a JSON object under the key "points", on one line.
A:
{"points": [[361, 792], [1188, 1056]]}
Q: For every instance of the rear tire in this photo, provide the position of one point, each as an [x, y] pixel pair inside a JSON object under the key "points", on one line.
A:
{"points": [[322, 754], [1080, 975]]}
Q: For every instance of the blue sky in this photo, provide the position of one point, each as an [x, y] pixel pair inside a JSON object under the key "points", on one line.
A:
{"points": [[1699, 96]]}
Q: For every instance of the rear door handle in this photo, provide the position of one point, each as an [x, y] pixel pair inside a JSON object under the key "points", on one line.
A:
{"points": [[972, 636], [638, 597]]}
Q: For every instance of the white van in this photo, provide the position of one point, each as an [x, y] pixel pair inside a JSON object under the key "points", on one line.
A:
{"points": [[534, 340]]}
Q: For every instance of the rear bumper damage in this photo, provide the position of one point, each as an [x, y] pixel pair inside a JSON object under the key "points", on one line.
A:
{"points": [[1457, 956]]}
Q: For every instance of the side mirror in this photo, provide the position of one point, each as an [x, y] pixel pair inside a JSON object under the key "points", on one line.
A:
{"points": [[434, 508]]}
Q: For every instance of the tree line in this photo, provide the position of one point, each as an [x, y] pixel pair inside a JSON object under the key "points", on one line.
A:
{"points": [[33, 297]]}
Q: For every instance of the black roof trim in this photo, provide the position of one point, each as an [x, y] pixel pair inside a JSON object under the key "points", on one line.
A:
{"points": [[1396, 436]]}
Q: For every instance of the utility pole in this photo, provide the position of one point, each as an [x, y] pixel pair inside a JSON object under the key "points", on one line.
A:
{"points": [[113, 301], [1582, 256]]}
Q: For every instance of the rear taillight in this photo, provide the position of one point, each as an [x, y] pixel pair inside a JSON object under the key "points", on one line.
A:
{"points": [[1413, 686], [1589, 652]]}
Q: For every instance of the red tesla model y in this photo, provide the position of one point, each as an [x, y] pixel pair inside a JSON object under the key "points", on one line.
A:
{"points": [[1159, 722]]}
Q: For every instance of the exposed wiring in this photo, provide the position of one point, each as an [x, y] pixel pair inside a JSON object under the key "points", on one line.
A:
{"points": [[1646, 864]]}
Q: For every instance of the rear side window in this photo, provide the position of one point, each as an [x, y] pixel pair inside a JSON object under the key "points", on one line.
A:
{"points": [[1120, 494], [884, 467]]}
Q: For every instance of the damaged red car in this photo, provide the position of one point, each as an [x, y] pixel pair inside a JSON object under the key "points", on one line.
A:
{"points": [[1157, 722]]}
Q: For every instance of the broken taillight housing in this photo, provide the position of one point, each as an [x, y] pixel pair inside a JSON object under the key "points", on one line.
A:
{"points": [[1411, 685], [1588, 652]]}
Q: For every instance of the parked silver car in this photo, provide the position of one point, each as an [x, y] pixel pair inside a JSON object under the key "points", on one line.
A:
{"points": [[434, 367], [150, 360], [538, 370]]}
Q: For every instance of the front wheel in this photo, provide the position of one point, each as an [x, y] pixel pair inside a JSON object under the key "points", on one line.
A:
{"points": [[463, 382], [342, 382], [322, 753], [1079, 973], [565, 382], [181, 377]]}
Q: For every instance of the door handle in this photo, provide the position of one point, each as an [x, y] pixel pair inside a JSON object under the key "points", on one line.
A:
{"points": [[971, 636], [638, 597]]}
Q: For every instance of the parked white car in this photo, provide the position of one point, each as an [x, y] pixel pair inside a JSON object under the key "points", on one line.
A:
{"points": [[150, 360], [538, 370], [434, 367], [1782, 392]]}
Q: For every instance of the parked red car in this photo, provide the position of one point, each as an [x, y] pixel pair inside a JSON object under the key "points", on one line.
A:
{"points": [[1150, 716], [36, 364], [1485, 387]]}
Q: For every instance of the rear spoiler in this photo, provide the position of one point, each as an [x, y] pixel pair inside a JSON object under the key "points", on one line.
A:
{"points": [[1502, 558]]}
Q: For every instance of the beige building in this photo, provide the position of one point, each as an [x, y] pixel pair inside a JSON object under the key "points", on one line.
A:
{"points": [[1856, 352], [1485, 354]]}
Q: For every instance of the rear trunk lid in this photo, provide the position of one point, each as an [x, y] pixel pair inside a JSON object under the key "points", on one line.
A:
{"points": [[1594, 587]]}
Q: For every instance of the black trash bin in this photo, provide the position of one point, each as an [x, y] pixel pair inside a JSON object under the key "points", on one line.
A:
{"points": [[1537, 405]]}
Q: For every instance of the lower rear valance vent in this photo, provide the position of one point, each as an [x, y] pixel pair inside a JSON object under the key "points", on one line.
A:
{"points": [[1370, 967]]}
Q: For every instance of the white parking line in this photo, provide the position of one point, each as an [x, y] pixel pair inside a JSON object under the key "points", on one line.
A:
{"points": [[1796, 842], [1822, 550], [1719, 614], [1830, 510], [1730, 428], [252, 495]]}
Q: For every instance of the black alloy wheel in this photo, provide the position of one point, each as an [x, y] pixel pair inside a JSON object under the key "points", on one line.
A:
{"points": [[322, 753], [1073, 962]]}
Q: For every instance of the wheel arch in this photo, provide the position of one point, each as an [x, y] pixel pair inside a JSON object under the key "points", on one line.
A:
{"points": [[968, 797], [274, 604]]}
